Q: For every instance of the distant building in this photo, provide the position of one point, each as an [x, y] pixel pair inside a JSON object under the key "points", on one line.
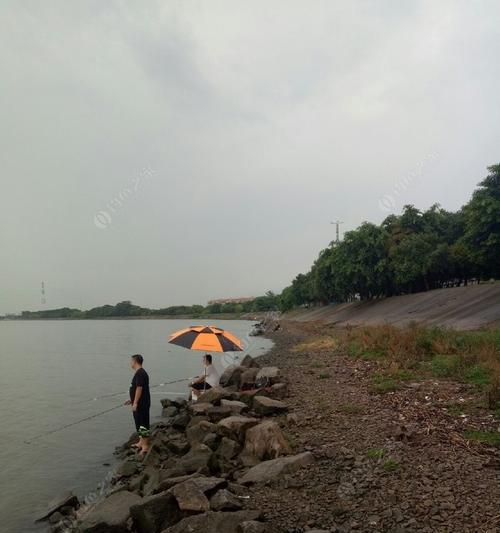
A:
{"points": [[231, 300]]}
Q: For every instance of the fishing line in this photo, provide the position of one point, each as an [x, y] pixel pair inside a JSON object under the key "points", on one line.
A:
{"points": [[50, 431]]}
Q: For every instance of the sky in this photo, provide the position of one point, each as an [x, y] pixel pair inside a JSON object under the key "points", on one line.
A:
{"points": [[172, 152]]}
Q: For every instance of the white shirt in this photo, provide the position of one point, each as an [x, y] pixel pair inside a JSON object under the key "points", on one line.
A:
{"points": [[211, 376]]}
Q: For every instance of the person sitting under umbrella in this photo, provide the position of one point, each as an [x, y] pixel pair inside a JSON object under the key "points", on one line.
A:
{"points": [[210, 377]]}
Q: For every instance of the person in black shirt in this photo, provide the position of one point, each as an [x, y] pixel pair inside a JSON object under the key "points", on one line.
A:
{"points": [[140, 400]]}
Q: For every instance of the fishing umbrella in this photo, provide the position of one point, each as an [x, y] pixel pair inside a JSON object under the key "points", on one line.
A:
{"points": [[207, 339]]}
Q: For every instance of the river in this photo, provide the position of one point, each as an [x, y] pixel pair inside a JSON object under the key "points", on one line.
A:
{"points": [[52, 371]]}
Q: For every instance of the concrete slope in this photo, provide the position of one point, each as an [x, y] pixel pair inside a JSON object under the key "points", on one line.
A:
{"points": [[469, 307]]}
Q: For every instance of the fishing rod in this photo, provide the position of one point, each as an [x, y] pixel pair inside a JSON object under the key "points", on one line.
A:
{"points": [[113, 394], [50, 431], [95, 415]]}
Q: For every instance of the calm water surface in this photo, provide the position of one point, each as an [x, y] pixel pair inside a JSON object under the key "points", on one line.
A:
{"points": [[51, 371]]}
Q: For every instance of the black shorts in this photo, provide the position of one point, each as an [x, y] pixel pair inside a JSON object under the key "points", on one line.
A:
{"points": [[201, 386], [141, 417]]}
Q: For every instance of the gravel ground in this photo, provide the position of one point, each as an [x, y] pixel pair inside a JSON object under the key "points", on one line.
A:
{"points": [[393, 462]]}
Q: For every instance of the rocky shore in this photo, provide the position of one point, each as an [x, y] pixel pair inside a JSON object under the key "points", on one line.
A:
{"points": [[298, 441], [203, 461]]}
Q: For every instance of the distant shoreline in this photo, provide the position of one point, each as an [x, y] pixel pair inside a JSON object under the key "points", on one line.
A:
{"points": [[221, 316]]}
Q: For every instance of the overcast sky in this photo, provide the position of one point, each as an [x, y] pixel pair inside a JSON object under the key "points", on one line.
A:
{"points": [[176, 151]]}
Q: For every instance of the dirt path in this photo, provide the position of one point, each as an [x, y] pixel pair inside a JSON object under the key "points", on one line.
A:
{"points": [[385, 463]]}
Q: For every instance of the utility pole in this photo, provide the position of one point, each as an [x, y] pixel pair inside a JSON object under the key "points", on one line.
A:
{"points": [[337, 224], [43, 300]]}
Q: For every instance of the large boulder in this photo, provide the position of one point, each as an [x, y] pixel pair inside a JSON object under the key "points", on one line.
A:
{"points": [[200, 407], [248, 377], [249, 362], [209, 485], [218, 412], [190, 497], [228, 449], [231, 376], [266, 441], [196, 434], [213, 522], [275, 468], [225, 501], [214, 395], [66, 499], [267, 375], [197, 458], [236, 426], [265, 406], [111, 514], [251, 526], [155, 513], [235, 406]]}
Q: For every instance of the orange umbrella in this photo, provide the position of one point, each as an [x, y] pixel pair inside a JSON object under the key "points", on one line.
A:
{"points": [[207, 339]]}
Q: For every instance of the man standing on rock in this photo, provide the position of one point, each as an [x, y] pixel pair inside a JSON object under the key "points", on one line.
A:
{"points": [[140, 400]]}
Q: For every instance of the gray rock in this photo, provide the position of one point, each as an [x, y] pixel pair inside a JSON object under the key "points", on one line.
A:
{"points": [[181, 420], [268, 375], [213, 522], [126, 469], [190, 497], [200, 407], [236, 426], [232, 376], [177, 444], [198, 457], [228, 449], [218, 412], [268, 406], [195, 434], [111, 514], [169, 411], [209, 485], [275, 468], [249, 362], [155, 513], [235, 406], [225, 501], [214, 395], [62, 500]]}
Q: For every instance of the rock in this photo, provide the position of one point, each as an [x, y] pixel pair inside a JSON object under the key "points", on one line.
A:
{"points": [[269, 470], [292, 419], [213, 522], [231, 376], [155, 513], [236, 426], [166, 482], [126, 469], [249, 362], [181, 420], [235, 406], [214, 395], [278, 390], [152, 457], [111, 514], [198, 457], [267, 375], [55, 518], [247, 379], [62, 500], [177, 444], [251, 526], [211, 440], [225, 501], [228, 449], [209, 485], [267, 406], [152, 481], [169, 411], [217, 413], [200, 408], [179, 403], [196, 434], [190, 498], [266, 441]]}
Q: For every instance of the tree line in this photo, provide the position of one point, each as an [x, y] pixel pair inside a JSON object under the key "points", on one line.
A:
{"points": [[415, 251], [126, 308]]}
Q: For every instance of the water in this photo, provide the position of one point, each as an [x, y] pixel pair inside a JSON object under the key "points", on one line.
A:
{"points": [[50, 373]]}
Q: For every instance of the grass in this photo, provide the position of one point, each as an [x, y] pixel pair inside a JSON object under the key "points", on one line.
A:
{"points": [[486, 437], [391, 465], [376, 453], [417, 351], [324, 375]]}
